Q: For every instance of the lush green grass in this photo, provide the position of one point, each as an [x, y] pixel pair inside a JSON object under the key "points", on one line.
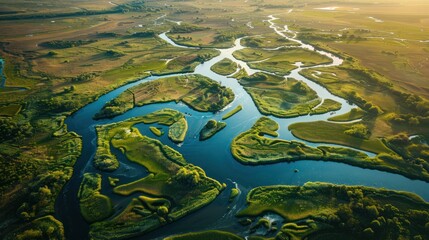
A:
{"points": [[266, 41], [280, 61], [317, 208], [106, 161], [327, 132], [94, 206], [156, 131], [206, 235], [210, 129], [328, 105], [232, 112], [177, 131], [354, 114], [197, 91], [280, 97], [224, 67], [251, 147]]}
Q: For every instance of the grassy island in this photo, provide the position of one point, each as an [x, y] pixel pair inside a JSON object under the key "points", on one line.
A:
{"points": [[232, 112], [211, 128], [172, 190], [156, 131], [177, 131], [224, 67], [280, 61], [198, 92], [328, 211], [282, 97], [354, 114], [106, 161], [251, 147], [93, 205]]}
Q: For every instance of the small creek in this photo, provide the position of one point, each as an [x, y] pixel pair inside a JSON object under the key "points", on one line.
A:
{"points": [[213, 155]]}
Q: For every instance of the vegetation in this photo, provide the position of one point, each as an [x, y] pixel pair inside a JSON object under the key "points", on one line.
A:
{"points": [[283, 97], [106, 161], [318, 210], [210, 129], [40, 228], [58, 44], [156, 131], [177, 131], [281, 61], [251, 147], [232, 112], [224, 67], [173, 188], [197, 91], [234, 193], [93, 205], [207, 235], [354, 114]]}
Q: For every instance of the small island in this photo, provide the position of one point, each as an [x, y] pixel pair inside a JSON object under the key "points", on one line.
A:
{"points": [[210, 129]]}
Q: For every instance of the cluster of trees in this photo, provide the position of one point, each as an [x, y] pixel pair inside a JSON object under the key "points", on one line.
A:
{"points": [[186, 28], [114, 53], [370, 219], [371, 108], [58, 105], [66, 43], [145, 34], [11, 129], [83, 77], [189, 175], [358, 130], [412, 150]]}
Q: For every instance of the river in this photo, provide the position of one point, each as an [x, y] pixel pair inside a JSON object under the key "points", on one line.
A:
{"points": [[213, 155]]}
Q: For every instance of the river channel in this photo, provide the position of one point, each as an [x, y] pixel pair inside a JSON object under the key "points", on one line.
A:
{"points": [[214, 155]]}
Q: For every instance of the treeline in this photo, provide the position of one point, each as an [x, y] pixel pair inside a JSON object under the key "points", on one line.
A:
{"points": [[186, 28], [11, 129], [60, 44]]}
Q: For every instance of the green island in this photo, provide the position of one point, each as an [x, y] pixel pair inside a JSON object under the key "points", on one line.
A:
{"points": [[232, 112], [93, 205], [224, 67], [280, 62], [210, 129], [280, 97], [251, 147], [327, 211], [196, 91], [172, 189], [269, 40], [104, 159], [233, 194], [158, 132]]}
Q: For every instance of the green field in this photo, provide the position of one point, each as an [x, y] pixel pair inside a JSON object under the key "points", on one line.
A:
{"points": [[224, 67]]}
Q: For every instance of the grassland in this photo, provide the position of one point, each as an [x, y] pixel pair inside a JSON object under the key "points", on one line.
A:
{"points": [[232, 112], [267, 41], [317, 210], [224, 67], [156, 131], [328, 105], [211, 128], [354, 114], [251, 147], [172, 190], [280, 61], [280, 97], [94, 206], [106, 161], [196, 91]]}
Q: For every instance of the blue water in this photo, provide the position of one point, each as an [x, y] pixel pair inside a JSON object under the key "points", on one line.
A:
{"points": [[2, 76], [214, 156]]}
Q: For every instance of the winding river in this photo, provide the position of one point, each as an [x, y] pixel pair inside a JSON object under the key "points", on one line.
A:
{"points": [[213, 155]]}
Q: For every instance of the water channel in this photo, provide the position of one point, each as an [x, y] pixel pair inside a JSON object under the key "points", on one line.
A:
{"points": [[213, 155]]}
